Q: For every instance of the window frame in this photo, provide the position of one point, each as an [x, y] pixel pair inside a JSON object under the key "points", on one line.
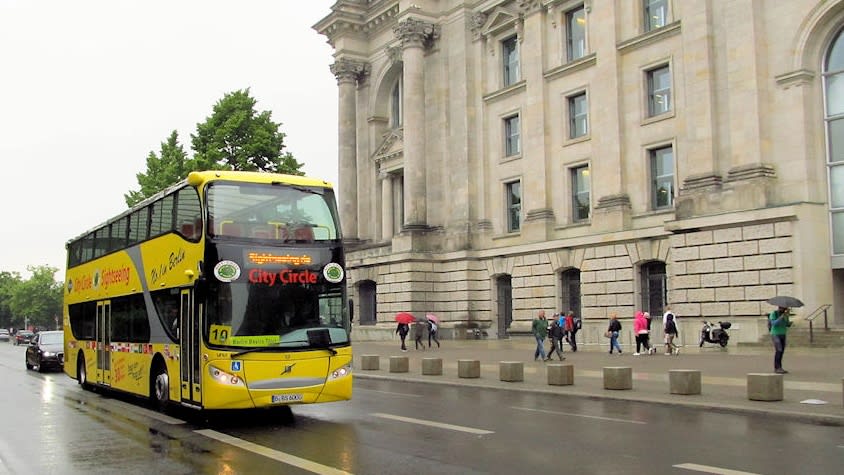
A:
{"points": [[650, 6], [513, 189], [396, 106], [574, 116], [577, 176], [657, 177], [653, 93], [570, 22], [512, 141], [511, 61]]}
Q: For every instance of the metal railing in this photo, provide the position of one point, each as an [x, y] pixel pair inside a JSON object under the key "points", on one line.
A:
{"points": [[812, 316]]}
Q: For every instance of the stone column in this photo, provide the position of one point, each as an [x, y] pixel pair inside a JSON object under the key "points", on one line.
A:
{"points": [[415, 35], [348, 72], [386, 205]]}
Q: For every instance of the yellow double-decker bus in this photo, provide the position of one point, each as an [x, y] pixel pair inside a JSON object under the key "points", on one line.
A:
{"points": [[224, 291]]}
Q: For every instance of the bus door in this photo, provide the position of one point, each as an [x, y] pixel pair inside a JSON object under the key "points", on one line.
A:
{"points": [[104, 343], [191, 374]]}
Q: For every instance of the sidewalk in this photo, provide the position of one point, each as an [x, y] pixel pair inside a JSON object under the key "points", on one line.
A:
{"points": [[813, 374]]}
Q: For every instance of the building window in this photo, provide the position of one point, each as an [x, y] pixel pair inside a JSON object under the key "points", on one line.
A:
{"points": [[576, 33], [662, 177], [570, 291], [578, 116], [396, 96], [659, 91], [833, 80], [580, 193], [512, 136], [510, 48], [398, 202], [514, 206], [656, 14]]}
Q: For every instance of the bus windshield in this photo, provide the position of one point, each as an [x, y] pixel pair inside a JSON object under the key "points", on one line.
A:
{"points": [[281, 212], [243, 314]]}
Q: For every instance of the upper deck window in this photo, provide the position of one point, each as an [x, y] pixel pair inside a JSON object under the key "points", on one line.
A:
{"points": [[277, 211]]}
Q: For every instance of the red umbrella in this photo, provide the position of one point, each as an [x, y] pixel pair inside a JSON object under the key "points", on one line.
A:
{"points": [[433, 318], [405, 317]]}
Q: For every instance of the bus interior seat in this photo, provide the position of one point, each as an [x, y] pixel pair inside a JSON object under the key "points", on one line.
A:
{"points": [[231, 229], [303, 234]]}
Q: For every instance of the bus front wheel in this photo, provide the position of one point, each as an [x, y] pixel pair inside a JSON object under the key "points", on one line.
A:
{"points": [[82, 372], [160, 390]]}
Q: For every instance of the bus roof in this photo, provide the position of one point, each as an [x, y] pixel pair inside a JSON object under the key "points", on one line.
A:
{"points": [[199, 178]]}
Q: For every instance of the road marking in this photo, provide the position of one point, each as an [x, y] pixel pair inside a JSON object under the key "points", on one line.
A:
{"points": [[440, 425], [283, 457], [611, 419], [389, 393], [709, 469]]}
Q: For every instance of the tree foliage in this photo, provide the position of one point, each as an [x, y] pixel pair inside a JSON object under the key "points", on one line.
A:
{"points": [[236, 137], [168, 167], [37, 300]]}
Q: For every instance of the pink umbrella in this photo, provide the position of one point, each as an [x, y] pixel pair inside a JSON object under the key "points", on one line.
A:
{"points": [[433, 318]]}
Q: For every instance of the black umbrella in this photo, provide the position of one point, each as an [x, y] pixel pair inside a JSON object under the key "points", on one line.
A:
{"points": [[785, 301]]}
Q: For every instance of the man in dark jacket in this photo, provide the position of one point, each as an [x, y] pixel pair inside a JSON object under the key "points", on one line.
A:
{"points": [[556, 341]]}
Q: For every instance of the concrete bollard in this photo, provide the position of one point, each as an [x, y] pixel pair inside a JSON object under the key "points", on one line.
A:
{"points": [[370, 362], [764, 386], [560, 374], [432, 366], [618, 377], [511, 371], [684, 381], [468, 369], [399, 364]]}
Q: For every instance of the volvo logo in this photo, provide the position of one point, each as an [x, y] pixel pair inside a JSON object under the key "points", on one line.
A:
{"points": [[287, 369]]}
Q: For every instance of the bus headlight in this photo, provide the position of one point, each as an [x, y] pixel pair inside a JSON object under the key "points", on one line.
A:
{"points": [[340, 372], [223, 377]]}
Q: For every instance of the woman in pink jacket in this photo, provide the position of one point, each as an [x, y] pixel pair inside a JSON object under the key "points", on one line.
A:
{"points": [[640, 329]]}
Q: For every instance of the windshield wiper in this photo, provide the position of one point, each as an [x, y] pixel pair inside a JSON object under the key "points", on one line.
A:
{"points": [[281, 348]]}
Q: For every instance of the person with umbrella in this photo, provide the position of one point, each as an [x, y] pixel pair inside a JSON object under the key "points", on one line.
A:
{"points": [[778, 324], [403, 328], [433, 327], [419, 331]]}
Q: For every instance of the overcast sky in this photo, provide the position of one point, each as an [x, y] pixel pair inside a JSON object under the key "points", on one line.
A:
{"points": [[89, 87]]}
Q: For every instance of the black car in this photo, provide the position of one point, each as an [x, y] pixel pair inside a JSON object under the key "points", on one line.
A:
{"points": [[46, 351], [23, 337]]}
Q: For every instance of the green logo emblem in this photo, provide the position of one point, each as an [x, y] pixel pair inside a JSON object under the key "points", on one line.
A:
{"points": [[227, 271], [333, 272]]}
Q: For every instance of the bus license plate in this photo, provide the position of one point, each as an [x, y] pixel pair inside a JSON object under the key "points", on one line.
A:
{"points": [[287, 398]]}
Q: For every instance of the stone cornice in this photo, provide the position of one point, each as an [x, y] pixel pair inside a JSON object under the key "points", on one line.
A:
{"points": [[751, 171], [351, 17], [572, 66], [800, 77], [650, 37], [703, 181], [613, 201]]}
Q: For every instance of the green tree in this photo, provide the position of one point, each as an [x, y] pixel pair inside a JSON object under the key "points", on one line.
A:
{"points": [[168, 167], [38, 298], [236, 137], [8, 282]]}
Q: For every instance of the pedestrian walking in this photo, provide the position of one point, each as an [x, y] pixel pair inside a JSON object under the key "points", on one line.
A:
{"points": [[556, 334], [573, 324], [779, 323], [613, 330], [670, 329], [402, 330], [419, 333], [539, 327], [640, 329], [432, 333]]}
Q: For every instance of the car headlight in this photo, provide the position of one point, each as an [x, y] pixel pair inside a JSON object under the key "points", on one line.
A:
{"points": [[49, 354], [341, 372], [224, 377]]}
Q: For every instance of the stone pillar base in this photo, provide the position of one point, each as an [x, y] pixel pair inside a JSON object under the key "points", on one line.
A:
{"points": [[468, 369], [432, 366], [764, 386], [684, 381], [511, 371], [370, 362], [618, 377], [399, 364], [560, 374]]}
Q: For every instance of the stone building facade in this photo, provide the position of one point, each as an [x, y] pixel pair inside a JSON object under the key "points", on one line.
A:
{"points": [[500, 157]]}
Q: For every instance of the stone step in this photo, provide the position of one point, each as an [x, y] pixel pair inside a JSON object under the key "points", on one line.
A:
{"points": [[833, 338]]}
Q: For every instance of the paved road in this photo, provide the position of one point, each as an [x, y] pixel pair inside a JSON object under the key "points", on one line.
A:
{"points": [[814, 374]]}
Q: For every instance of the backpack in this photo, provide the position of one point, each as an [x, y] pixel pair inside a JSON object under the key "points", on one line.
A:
{"points": [[578, 324], [670, 326]]}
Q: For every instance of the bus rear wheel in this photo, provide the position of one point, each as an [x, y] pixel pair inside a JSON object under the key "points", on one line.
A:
{"points": [[160, 388]]}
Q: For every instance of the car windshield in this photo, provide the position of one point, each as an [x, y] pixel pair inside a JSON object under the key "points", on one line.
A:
{"points": [[51, 338]]}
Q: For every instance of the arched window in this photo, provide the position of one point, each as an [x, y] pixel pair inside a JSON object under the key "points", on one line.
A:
{"points": [[833, 80], [396, 97]]}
